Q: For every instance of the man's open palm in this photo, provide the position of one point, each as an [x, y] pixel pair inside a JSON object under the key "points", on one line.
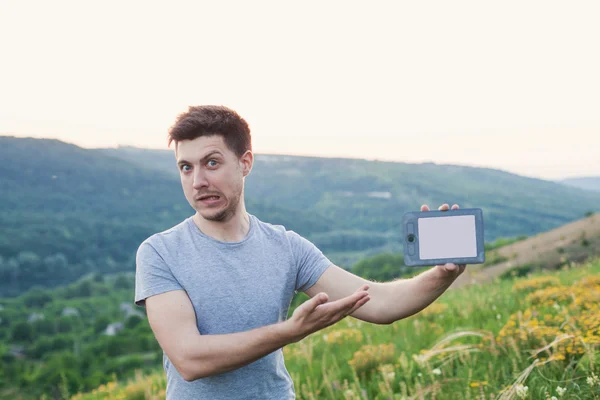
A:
{"points": [[317, 313]]}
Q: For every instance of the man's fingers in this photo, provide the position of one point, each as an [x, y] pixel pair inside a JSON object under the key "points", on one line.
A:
{"points": [[443, 207], [363, 287], [340, 308], [346, 303], [319, 299], [359, 304], [451, 267], [349, 307]]}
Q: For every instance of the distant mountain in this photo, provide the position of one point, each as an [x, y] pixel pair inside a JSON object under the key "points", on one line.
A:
{"points": [[587, 183], [372, 195], [156, 160], [65, 211]]}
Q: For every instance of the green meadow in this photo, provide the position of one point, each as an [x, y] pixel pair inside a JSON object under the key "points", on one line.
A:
{"points": [[534, 337]]}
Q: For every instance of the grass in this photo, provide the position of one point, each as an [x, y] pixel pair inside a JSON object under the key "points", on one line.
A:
{"points": [[525, 338]]}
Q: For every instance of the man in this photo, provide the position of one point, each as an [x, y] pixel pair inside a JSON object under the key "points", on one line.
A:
{"points": [[217, 287]]}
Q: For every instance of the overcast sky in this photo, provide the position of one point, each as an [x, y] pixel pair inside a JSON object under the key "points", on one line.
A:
{"points": [[512, 85]]}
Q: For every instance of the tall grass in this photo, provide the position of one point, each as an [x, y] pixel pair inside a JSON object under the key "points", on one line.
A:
{"points": [[531, 338]]}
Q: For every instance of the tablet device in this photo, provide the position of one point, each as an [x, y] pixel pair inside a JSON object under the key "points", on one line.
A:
{"points": [[440, 237]]}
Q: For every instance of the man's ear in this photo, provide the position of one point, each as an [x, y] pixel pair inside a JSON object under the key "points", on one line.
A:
{"points": [[246, 162]]}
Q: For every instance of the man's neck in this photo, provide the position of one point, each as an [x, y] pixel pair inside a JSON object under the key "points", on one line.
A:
{"points": [[233, 230]]}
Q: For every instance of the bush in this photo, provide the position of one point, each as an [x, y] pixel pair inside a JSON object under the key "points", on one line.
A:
{"points": [[37, 298], [520, 271], [133, 321], [22, 332]]}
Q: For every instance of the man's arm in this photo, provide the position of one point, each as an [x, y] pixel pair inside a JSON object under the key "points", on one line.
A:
{"points": [[390, 301], [173, 321]]}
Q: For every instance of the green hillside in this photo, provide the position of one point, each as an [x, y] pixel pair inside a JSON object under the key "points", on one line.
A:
{"points": [[67, 211], [370, 197], [51, 336], [529, 338], [57, 342]]}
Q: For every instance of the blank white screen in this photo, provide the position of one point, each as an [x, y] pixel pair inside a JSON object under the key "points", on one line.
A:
{"points": [[447, 237]]}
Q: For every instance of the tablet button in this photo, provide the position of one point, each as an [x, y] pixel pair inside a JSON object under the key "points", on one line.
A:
{"points": [[410, 227], [411, 249]]}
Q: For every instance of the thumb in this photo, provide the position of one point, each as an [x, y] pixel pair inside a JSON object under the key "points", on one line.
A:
{"points": [[451, 267]]}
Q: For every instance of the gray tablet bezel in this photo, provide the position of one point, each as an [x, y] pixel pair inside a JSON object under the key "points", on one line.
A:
{"points": [[411, 258]]}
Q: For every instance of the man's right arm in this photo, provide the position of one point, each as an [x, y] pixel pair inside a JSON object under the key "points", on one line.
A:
{"points": [[173, 321]]}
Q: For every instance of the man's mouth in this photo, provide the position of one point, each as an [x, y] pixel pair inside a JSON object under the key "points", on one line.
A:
{"points": [[209, 199]]}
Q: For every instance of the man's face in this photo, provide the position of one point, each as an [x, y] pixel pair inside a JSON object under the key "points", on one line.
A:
{"points": [[212, 176]]}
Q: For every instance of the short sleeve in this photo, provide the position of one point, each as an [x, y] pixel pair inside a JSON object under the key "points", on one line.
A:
{"points": [[310, 261], [152, 275]]}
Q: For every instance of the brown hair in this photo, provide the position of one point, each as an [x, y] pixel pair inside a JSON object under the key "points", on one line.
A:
{"points": [[213, 120]]}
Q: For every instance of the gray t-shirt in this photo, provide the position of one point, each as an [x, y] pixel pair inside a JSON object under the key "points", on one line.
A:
{"points": [[234, 287]]}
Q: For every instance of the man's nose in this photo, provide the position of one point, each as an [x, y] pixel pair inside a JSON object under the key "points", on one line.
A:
{"points": [[200, 180]]}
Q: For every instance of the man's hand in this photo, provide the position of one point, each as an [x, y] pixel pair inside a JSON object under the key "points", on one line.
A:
{"points": [[452, 270], [316, 313]]}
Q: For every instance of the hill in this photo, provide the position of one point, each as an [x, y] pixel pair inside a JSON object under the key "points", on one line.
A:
{"points": [[587, 183], [79, 333], [89, 335], [67, 211], [372, 195], [573, 242], [536, 335]]}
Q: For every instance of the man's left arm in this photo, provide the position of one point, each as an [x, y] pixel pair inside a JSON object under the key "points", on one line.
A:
{"points": [[390, 301]]}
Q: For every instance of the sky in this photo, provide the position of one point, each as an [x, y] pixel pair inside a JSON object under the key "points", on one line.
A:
{"points": [[512, 85]]}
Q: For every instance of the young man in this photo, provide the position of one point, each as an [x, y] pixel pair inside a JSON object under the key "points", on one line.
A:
{"points": [[217, 287]]}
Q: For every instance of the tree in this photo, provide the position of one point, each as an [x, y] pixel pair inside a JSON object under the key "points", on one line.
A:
{"points": [[98, 277], [123, 282], [22, 332], [56, 263], [44, 327], [37, 297], [132, 321], [101, 323], [383, 267], [80, 289], [30, 265], [65, 324]]}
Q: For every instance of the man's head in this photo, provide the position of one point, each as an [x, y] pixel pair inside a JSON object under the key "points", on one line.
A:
{"points": [[214, 154]]}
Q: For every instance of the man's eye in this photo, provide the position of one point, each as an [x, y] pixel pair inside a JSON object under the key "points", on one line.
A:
{"points": [[183, 167], [212, 163]]}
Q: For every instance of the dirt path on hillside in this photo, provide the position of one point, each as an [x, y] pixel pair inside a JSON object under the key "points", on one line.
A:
{"points": [[540, 248]]}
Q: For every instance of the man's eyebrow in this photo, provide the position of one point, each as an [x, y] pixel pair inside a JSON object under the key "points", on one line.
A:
{"points": [[180, 162]]}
